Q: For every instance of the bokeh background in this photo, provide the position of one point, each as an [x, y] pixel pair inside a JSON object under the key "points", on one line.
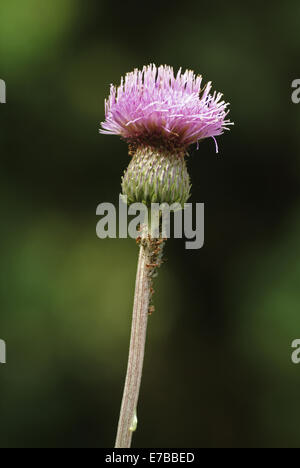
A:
{"points": [[218, 370]]}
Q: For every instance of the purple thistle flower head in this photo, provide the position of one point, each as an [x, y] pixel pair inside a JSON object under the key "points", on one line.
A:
{"points": [[155, 107]]}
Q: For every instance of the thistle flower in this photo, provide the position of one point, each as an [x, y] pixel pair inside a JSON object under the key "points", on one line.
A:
{"points": [[160, 115], [154, 105]]}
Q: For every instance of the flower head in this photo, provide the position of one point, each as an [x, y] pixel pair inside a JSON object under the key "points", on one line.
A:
{"points": [[153, 106]]}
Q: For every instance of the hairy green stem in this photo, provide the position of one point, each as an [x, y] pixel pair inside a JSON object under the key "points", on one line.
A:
{"points": [[127, 420]]}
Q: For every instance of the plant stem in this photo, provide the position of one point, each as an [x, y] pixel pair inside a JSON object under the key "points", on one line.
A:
{"points": [[136, 351]]}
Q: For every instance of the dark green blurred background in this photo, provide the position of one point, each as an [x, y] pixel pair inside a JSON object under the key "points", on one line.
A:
{"points": [[218, 371]]}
